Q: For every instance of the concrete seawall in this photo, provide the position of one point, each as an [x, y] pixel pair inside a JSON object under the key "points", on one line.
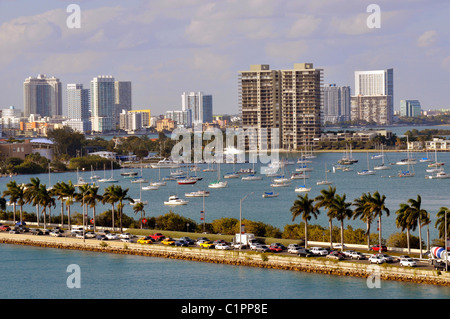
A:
{"points": [[233, 257]]}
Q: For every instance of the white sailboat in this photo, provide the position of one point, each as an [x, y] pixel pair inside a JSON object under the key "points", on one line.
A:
{"points": [[269, 195], [367, 171], [382, 166], [326, 181], [302, 188], [159, 182], [111, 179], [218, 183], [436, 163]]}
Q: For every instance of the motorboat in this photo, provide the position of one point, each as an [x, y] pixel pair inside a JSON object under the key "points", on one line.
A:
{"points": [[324, 182], [175, 200], [129, 174], [246, 171], [231, 175], [439, 175], [302, 189], [108, 180], [199, 193], [280, 179], [218, 184], [406, 161], [149, 187], [165, 163], [366, 172], [251, 177], [269, 194], [187, 181]]}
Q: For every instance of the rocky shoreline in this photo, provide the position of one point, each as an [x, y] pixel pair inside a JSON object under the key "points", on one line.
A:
{"points": [[237, 258]]}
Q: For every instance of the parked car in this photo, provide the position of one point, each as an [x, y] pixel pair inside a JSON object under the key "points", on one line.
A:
{"points": [[90, 234], [303, 252], [339, 246], [294, 249], [55, 234], [102, 237], [348, 253], [14, 231], [386, 258], [278, 245], [262, 248], [238, 246], [112, 236], [219, 241], [181, 243], [275, 248], [36, 231], [125, 236], [253, 243], [168, 241], [374, 259], [188, 240], [378, 248], [145, 240], [223, 246], [207, 244], [80, 235], [335, 255], [157, 236], [357, 255], [320, 251], [5, 228], [408, 262]]}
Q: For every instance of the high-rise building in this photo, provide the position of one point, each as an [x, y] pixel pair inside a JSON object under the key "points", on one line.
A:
{"points": [[201, 106], [130, 121], [289, 100], [78, 108], [374, 97], [102, 104], [410, 108], [42, 95], [336, 103], [122, 90], [183, 118]]}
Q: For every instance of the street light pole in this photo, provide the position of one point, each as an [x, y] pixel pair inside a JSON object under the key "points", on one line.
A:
{"points": [[240, 219]]}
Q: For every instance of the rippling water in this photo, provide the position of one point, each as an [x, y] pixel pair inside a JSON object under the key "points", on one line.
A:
{"points": [[41, 273]]}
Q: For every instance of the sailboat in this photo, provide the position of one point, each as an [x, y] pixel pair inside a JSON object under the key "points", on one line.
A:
{"points": [[347, 159], [326, 181], [80, 180], [382, 166], [218, 183], [436, 163], [139, 200], [302, 188], [425, 159], [252, 177], [111, 179], [408, 162], [367, 171], [94, 177], [159, 182], [269, 195]]}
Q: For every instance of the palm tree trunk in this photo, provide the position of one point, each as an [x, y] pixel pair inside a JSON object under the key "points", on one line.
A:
{"points": [[379, 231], [44, 213], [68, 217], [62, 214], [331, 234], [306, 234], [37, 214], [14, 212], [342, 234], [420, 237], [93, 213], [407, 240], [112, 217], [368, 234]]}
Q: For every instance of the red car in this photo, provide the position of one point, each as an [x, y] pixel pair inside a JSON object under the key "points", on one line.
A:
{"points": [[5, 228], [377, 248], [157, 236], [275, 247]]}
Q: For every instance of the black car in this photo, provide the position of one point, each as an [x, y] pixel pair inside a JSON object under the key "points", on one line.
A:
{"points": [[262, 249], [36, 231], [102, 237], [181, 243], [188, 240], [305, 253]]}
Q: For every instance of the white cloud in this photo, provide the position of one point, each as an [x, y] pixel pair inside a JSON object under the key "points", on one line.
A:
{"points": [[428, 38], [304, 25], [289, 51]]}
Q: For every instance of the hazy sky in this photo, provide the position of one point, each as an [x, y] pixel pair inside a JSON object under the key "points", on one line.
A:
{"points": [[170, 46]]}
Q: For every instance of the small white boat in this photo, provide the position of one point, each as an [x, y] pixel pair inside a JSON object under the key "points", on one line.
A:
{"points": [[366, 172], [251, 177], [406, 161], [299, 176], [439, 175], [132, 173], [381, 167], [280, 179], [280, 184], [269, 194], [149, 188], [165, 163], [161, 183], [303, 168], [302, 189], [218, 184], [324, 183], [187, 181], [405, 174], [231, 175], [139, 180], [175, 200], [138, 200], [197, 194]]}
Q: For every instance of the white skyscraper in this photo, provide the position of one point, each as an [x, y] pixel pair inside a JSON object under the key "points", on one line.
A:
{"points": [[374, 97], [42, 95], [78, 108], [122, 91], [102, 104], [200, 105]]}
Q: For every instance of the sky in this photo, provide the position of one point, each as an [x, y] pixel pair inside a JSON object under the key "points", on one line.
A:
{"points": [[166, 47]]}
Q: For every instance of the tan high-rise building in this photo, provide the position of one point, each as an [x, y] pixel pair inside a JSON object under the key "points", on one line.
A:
{"points": [[42, 95], [289, 100]]}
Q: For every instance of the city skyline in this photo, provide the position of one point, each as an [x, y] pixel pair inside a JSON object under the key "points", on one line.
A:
{"points": [[165, 48]]}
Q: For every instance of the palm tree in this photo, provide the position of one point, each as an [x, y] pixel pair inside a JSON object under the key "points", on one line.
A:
{"points": [[45, 200], [377, 207], [403, 220], [418, 216], [81, 197], [341, 210], [12, 192], [364, 213], [91, 199], [110, 197], [122, 195], [58, 191], [325, 199], [443, 215], [304, 206], [32, 194], [139, 208], [69, 192]]}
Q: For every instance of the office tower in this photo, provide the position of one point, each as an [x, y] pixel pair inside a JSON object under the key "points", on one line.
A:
{"points": [[77, 108], [183, 118], [200, 105], [145, 115], [11, 118], [336, 104], [102, 104], [410, 108], [130, 121], [374, 97], [301, 103], [122, 93], [42, 95], [259, 102]]}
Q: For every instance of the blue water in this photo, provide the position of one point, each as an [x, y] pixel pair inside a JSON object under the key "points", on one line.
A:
{"points": [[32, 273], [275, 211]]}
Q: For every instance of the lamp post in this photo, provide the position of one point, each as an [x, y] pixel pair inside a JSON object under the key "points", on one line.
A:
{"points": [[240, 219]]}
